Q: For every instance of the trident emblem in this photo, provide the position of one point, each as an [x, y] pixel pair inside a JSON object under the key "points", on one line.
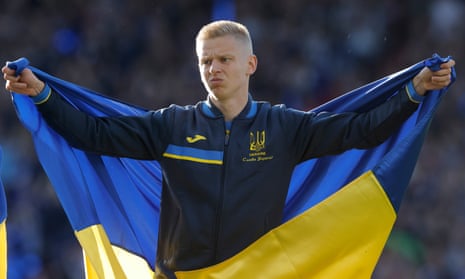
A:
{"points": [[257, 141]]}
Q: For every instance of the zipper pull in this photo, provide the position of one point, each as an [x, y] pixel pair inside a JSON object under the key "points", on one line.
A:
{"points": [[226, 137]]}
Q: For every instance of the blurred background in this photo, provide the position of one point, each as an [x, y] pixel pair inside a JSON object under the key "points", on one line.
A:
{"points": [[142, 52]]}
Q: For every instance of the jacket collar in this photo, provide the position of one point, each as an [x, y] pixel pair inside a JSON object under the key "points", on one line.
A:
{"points": [[210, 110]]}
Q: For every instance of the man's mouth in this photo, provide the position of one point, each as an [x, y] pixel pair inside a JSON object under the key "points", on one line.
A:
{"points": [[215, 81]]}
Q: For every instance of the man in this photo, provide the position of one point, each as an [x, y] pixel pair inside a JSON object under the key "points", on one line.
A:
{"points": [[226, 161]]}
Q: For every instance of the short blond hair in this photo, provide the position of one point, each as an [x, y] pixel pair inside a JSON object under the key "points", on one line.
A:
{"points": [[221, 28]]}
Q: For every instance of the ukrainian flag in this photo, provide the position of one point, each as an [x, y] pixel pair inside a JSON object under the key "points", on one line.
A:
{"points": [[339, 210]]}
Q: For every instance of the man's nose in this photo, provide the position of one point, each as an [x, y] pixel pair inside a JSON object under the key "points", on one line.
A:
{"points": [[214, 67]]}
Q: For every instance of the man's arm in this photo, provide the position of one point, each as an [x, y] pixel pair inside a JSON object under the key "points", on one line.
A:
{"points": [[329, 133], [134, 137]]}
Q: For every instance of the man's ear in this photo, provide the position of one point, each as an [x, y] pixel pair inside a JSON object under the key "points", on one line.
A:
{"points": [[253, 62]]}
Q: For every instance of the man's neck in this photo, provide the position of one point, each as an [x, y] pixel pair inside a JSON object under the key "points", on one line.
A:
{"points": [[230, 108]]}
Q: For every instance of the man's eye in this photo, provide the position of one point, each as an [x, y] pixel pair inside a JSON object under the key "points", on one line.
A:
{"points": [[206, 62], [225, 59]]}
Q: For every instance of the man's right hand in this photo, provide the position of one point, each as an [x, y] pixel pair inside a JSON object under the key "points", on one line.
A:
{"points": [[26, 83]]}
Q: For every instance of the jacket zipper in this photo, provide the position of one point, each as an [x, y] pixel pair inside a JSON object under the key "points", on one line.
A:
{"points": [[227, 133], [226, 138]]}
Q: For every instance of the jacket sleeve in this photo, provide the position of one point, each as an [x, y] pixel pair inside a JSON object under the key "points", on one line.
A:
{"points": [[138, 137], [328, 133]]}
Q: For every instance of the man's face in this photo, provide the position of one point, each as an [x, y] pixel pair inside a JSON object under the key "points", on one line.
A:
{"points": [[225, 65]]}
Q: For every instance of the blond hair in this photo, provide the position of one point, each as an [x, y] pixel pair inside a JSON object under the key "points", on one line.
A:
{"points": [[221, 28]]}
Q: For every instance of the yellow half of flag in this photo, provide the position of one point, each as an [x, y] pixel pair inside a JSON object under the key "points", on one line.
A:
{"points": [[102, 260], [342, 237]]}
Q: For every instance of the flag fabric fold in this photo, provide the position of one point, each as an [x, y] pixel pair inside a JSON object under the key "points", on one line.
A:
{"points": [[339, 210]]}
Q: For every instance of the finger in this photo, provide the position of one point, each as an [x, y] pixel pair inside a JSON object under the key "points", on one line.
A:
{"points": [[16, 85], [9, 71], [443, 72], [10, 77], [448, 64], [441, 79]]}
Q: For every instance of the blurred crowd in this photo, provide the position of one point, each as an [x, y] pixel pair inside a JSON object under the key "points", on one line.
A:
{"points": [[142, 52]]}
